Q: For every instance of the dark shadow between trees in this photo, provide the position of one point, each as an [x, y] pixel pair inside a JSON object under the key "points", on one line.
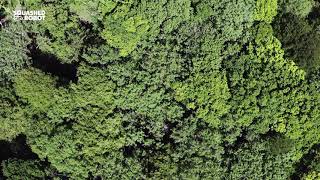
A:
{"points": [[49, 63]]}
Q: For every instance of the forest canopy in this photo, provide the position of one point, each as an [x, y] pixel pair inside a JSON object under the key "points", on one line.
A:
{"points": [[167, 89]]}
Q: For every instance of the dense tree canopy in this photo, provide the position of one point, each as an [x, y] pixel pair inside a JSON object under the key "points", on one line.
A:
{"points": [[185, 89]]}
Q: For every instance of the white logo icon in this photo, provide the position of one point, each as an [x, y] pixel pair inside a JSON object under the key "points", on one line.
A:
{"points": [[38, 15]]}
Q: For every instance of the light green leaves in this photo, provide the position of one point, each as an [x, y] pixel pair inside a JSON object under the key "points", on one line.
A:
{"points": [[266, 10], [124, 33]]}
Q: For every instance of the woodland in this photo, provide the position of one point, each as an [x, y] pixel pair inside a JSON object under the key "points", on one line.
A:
{"points": [[160, 89]]}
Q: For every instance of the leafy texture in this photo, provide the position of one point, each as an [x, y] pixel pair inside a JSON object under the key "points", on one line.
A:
{"points": [[185, 89]]}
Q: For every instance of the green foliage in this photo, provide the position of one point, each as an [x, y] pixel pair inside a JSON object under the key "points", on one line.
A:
{"points": [[279, 101], [39, 90], [12, 121], [300, 40], [103, 54], [81, 149], [205, 91], [266, 10], [13, 49], [297, 7], [233, 19], [51, 137], [13, 58], [312, 176], [187, 89], [87, 11], [255, 161], [7, 6], [256, 99], [60, 33], [132, 22], [126, 36], [19, 169]]}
